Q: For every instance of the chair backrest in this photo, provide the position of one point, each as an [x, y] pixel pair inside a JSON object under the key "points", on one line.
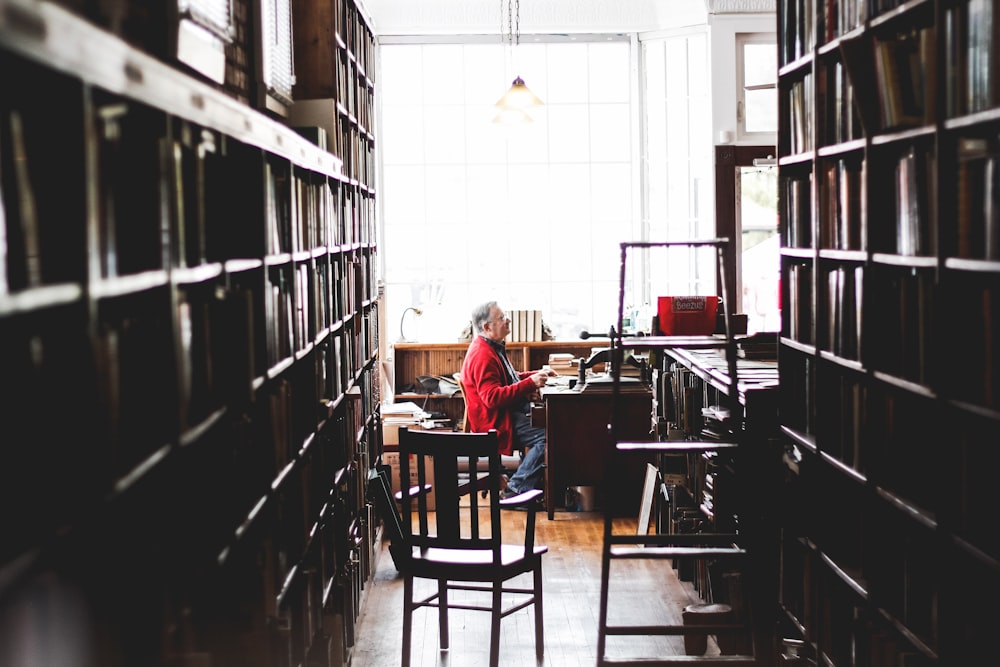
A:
{"points": [[466, 427], [456, 521]]}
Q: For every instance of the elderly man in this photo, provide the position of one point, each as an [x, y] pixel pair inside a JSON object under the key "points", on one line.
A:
{"points": [[499, 397]]}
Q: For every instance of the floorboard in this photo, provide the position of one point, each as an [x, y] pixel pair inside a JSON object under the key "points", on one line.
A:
{"points": [[641, 592]]}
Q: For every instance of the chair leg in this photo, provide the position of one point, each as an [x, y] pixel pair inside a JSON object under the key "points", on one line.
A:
{"points": [[407, 619], [443, 613], [539, 616], [495, 624]]}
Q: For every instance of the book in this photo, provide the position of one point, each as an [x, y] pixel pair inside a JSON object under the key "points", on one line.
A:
{"points": [[973, 154], [22, 236], [991, 207], [3, 221], [955, 36], [834, 298]]}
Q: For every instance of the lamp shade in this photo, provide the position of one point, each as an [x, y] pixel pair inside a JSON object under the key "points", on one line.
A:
{"points": [[512, 117], [518, 97]]}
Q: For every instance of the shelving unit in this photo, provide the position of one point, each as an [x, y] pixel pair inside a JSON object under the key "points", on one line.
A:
{"points": [[888, 358], [411, 360], [188, 337]]}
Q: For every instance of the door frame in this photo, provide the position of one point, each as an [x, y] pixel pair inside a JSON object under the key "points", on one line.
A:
{"points": [[728, 158]]}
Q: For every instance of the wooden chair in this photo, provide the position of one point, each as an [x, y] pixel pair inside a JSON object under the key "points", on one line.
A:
{"points": [[466, 428], [459, 543]]}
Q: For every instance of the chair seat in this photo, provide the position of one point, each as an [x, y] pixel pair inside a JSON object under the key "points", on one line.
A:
{"points": [[473, 564]]}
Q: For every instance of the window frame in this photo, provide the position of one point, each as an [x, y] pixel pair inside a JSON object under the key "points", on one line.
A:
{"points": [[742, 40]]}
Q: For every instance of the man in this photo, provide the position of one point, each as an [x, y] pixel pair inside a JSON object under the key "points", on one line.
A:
{"points": [[499, 397]]}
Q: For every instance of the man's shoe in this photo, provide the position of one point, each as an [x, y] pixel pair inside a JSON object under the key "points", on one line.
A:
{"points": [[503, 486]]}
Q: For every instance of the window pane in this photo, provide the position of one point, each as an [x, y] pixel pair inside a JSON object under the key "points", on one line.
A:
{"points": [[760, 64], [569, 132], [760, 67], [678, 167], [761, 110]]}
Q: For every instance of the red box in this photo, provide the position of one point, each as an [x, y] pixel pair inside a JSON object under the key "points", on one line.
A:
{"points": [[687, 315]]}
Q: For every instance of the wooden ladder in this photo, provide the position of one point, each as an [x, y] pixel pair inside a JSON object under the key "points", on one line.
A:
{"points": [[674, 547]]}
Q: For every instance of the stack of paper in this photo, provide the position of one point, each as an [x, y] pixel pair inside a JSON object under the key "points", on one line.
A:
{"points": [[396, 415], [562, 363]]}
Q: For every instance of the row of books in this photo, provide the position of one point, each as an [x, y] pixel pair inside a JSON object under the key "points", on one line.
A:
{"points": [[974, 318], [978, 195], [892, 77], [970, 37], [801, 136], [905, 78], [206, 175], [525, 326], [842, 120], [843, 197], [799, 312], [806, 23], [312, 569], [843, 316], [901, 344], [336, 106], [916, 202], [843, 211], [305, 211], [798, 24], [796, 199], [844, 419]]}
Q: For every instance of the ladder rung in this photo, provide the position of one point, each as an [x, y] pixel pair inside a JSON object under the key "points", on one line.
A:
{"points": [[668, 446], [654, 553], [674, 630], [703, 660], [684, 342], [677, 539]]}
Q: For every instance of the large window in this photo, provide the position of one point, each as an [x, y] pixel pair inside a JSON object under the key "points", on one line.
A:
{"points": [[530, 216], [678, 167]]}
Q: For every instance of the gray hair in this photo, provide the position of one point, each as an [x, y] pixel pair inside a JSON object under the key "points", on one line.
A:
{"points": [[481, 315]]}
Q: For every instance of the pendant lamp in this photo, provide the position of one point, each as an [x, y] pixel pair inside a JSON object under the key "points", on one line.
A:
{"points": [[515, 104]]}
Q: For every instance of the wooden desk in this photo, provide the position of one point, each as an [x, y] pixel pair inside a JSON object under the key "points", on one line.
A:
{"points": [[578, 445]]}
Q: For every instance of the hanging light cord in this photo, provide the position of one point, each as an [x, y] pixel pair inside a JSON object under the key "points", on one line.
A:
{"points": [[517, 22], [511, 32]]}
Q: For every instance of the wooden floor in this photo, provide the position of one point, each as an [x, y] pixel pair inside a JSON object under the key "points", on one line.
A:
{"points": [[641, 592]]}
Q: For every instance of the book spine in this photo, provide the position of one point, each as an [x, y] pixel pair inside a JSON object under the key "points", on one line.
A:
{"points": [[26, 198]]}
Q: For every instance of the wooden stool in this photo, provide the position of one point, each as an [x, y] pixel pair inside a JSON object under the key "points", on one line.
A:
{"points": [[703, 614]]}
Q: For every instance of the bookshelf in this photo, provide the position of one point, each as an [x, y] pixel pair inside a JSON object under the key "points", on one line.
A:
{"points": [[189, 330], [411, 360], [889, 120], [702, 488]]}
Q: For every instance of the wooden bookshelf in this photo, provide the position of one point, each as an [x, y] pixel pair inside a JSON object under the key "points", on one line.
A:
{"points": [[411, 360], [188, 336], [888, 359]]}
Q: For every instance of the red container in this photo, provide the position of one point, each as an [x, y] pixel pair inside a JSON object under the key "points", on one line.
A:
{"points": [[687, 315]]}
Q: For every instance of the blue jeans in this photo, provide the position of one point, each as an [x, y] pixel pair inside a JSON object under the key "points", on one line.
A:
{"points": [[529, 472]]}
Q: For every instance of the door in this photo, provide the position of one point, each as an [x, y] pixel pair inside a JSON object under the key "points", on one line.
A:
{"points": [[746, 194]]}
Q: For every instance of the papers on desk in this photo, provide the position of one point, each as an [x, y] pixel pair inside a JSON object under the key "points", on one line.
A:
{"points": [[404, 409], [606, 383], [396, 415]]}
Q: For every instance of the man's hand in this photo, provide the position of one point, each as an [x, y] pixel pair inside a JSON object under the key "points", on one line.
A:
{"points": [[540, 378]]}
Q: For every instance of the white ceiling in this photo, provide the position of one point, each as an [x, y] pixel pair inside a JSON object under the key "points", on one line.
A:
{"points": [[477, 17]]}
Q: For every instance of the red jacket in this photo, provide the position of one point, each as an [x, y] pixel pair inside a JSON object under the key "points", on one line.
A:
{"points": [[487, 398]]}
